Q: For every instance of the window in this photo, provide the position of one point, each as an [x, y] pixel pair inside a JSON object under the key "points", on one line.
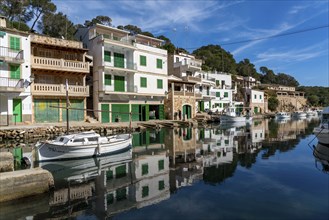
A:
{"points": [[159, 84], [15, 43], [217, 94], [145, 191], [107, 80], [121, 171], [15, 71], [260, 96], [107, 56], [142, 60], [145, 169], [255, 96], [161, 164], [217, 82], [159, 63], [143, 82], [161, 185], [225, 94]]}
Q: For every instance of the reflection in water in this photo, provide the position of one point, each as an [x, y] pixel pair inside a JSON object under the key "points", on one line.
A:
{"points": [[321, 154], [160, 163]]}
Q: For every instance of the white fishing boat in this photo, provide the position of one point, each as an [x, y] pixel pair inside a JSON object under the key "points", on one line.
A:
{"points": [[322, 131], [82, 145], [299, 114], [230, 116], [282, 115]]}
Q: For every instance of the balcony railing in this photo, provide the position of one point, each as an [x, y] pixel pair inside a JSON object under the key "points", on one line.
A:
{"points": [[15, 85], [60, 64], [59, 90], [192, 79], [125, 66], [12, 55]]}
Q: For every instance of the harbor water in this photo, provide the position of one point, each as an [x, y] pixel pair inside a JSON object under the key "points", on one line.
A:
{"points": [[267, 169]]}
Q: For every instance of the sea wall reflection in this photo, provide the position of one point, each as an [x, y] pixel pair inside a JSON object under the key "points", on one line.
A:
{"points": [[159, 164]]}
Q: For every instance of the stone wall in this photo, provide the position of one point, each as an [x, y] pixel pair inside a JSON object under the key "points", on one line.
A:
{"points": [[6, 162], [24, 183]]}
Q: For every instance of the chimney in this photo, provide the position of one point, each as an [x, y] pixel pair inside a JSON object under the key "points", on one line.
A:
{"points": [[3, 21]]}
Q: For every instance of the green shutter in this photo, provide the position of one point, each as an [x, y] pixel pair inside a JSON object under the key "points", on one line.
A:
{"points": [[143, 82], [161, 185], [225, 94], [15, 43], [161, 112], [159, 63], [121, 194], [145, 191], [145, 169], [107, 80], [107, 56], [159, 84], [105, 113], [119, 60], [217, 82], [15, 72], [142, 60], [119, 83], [161, 165], [217, 94], [120, 112], [110, 198], [121, 171]]}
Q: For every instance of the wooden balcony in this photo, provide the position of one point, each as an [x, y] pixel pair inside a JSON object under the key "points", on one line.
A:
{"points": [[11, 85], [59, 90], [59, 64]]}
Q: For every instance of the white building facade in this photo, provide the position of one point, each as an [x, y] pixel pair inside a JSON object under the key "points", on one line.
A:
{"points": [[15, 72], [129, 74]]}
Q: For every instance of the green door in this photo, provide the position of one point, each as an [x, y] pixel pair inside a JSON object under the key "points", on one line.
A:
{"points": [[105, 113], [44, 112], [119, 60], [17, 110], [135, 113], [161, 112], [120, 112], [201, 106], [186, 111], [145, 114], [119, 83]]}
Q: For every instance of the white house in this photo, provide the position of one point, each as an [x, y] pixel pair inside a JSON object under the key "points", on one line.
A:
{"points": [[129, 74], [15, 73], [255, 100]]}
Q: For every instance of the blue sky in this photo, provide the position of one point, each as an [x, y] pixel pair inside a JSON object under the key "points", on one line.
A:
{"points": [[194, 23]]}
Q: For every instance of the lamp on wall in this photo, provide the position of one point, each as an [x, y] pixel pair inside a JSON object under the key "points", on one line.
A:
{"points": [[27, 83]]}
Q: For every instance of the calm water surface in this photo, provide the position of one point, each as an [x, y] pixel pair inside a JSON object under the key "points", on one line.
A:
{"points": [[265, 170]]}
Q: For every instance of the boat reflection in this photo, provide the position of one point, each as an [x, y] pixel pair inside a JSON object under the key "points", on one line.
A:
{"points": [[321, 154]]}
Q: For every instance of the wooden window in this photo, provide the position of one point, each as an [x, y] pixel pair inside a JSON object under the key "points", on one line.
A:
{"points": [[143, 82], [15, 43], [142, 60], [159, 84], [107, 80], [107, 56], [159, 63]]}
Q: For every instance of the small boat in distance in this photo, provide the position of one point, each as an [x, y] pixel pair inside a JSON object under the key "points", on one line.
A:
{"points": [[322, 131], [82, 145], [282, 115], [231, 116], [299, 114]]}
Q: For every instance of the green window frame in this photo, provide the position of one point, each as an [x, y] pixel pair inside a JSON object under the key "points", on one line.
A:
{"points": [[217, 82], [159, 63], [143, 82], [15, 71], [260, 96], [159, 84], [225, 94], [107, 56], [255, 96], [145, 191], [217, 94], [145, 169], [161, 165], [142, 60], [107, 79], [15, 43], [161, 185]]}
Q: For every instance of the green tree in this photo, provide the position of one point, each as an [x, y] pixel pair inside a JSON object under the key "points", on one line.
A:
{"points": [[287, 80], [133, 29], [100, 19], [245, 68], [273, 103], [168, 45], [268, 76], [146, 33], [40, 7], [57, 25], [313, 100], [15, 10]]}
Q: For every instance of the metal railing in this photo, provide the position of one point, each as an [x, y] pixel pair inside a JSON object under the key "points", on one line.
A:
{"points": [[12, 83], [11, 53]]}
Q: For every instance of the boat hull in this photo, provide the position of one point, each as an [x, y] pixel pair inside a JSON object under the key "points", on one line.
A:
{"points": [[322, 135], [48, 151], [231, 119]]}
